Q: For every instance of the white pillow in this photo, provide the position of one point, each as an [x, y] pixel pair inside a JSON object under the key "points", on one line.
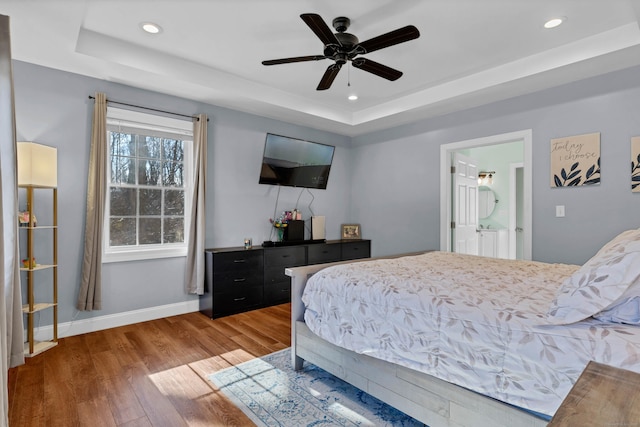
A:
{"points": [[625, 309], [600, 282]]}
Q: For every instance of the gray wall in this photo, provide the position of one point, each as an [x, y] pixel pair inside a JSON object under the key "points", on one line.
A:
{"points": [[53, 108], [396, 185], [387, 181]]}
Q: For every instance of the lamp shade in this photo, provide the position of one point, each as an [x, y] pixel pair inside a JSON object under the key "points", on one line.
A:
{"points": [[37, 165]]}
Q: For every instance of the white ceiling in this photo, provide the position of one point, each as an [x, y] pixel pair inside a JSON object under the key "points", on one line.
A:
{"points": [[470, 52]]}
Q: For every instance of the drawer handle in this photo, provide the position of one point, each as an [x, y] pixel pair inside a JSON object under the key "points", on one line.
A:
{"points": [[240, 299], [286, 256], [242, 279], [239, 261]]}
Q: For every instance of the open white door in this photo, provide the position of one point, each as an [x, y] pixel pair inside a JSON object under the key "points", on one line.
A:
{"points": [[448, 193], [464, 234]]}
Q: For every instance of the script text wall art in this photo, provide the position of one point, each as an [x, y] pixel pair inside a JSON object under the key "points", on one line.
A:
{"points": [[575, 160]]}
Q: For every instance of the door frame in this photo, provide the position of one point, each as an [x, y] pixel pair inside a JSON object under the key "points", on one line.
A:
{"points": [[446, 151], [513, 209]]}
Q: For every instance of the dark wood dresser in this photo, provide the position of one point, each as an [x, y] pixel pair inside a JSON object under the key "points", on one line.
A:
{"points": [[238, 279]]}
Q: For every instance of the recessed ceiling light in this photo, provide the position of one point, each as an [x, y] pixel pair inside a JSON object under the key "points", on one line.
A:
{"points": [[554, 22], [151, 28], [352, 97]]}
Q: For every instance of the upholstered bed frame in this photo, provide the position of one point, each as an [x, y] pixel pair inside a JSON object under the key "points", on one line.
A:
{"points": [[428, 399]]}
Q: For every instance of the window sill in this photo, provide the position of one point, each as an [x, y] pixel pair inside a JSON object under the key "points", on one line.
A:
{"points": [[139, 255]]}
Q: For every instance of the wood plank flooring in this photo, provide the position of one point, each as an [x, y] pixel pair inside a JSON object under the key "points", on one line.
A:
{"points": [[148, 374]]}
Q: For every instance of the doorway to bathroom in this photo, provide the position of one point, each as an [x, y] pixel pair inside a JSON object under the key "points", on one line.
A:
{"points": [[504, 163]]}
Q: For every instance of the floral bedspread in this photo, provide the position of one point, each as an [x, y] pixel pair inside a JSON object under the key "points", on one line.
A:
{"points": [[473, 321]]}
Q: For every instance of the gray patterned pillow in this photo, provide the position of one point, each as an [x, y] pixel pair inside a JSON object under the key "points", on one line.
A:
{"points": [[600, 282]]}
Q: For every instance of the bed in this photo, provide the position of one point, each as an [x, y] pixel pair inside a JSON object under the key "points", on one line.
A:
{"points": [[461, 340]]}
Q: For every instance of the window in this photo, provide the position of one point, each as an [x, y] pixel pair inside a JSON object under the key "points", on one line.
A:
{"points": [[147, 208]]}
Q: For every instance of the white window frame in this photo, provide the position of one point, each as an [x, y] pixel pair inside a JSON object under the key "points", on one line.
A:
{"points": [[150, 122]]}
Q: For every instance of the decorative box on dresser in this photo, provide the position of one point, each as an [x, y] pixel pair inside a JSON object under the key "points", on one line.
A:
{"points": [[238, 279]]}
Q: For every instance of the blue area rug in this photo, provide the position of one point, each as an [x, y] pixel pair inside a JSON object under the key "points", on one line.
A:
{"points": [[271, 393]]}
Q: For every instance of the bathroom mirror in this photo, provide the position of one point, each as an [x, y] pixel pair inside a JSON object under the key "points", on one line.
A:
{"points": [[486, 201]]}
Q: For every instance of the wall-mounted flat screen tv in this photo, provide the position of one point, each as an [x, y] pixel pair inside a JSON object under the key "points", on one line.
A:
{"points": [[295, 162]]}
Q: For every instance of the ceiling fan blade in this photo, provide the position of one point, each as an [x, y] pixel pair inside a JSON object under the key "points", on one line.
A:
{"points": [[295, 59], [328, 77], [320, 28], [400, 35], [377, 69]]}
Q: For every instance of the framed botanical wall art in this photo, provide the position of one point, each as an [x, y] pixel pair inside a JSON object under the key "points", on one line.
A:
{"points": [[635, 164], [575, 160]]}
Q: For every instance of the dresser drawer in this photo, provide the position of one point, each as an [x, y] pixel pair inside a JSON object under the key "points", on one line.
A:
{"points": [[356, 250], [237, 261], [237, 301], [277, 293], [291, 256], [277, 259], [227, 281], [321, 253], [275, 274]]}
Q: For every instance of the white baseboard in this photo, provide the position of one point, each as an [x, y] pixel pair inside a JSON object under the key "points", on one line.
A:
{"points": [[77, 327]]}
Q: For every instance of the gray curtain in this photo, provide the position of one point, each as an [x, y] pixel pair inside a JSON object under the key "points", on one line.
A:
{"points": [[194, 269], [11, 327], [90, 294]]}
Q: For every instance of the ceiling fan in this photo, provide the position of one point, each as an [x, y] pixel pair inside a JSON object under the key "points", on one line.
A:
{"points": [[342, 47]]}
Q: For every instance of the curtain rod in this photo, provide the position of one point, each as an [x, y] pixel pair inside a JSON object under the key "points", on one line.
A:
{"points": [[149, 108]]}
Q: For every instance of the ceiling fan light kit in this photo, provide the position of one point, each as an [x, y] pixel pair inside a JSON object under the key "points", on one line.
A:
{"points": [[342, 47]]}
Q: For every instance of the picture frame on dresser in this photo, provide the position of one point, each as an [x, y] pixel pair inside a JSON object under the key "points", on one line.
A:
{"points": [[350, 231]]}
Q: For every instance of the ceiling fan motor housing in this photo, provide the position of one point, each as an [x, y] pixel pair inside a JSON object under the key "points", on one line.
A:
{"points": [[342, 47], [347, 40], [343, 52], [341, 23]]}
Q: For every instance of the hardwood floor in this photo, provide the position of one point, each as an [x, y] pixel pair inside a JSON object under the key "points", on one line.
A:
{"points": [[148, 374]]}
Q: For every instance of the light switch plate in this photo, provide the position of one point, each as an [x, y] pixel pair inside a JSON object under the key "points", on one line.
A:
{"points": [[559, 211]]}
